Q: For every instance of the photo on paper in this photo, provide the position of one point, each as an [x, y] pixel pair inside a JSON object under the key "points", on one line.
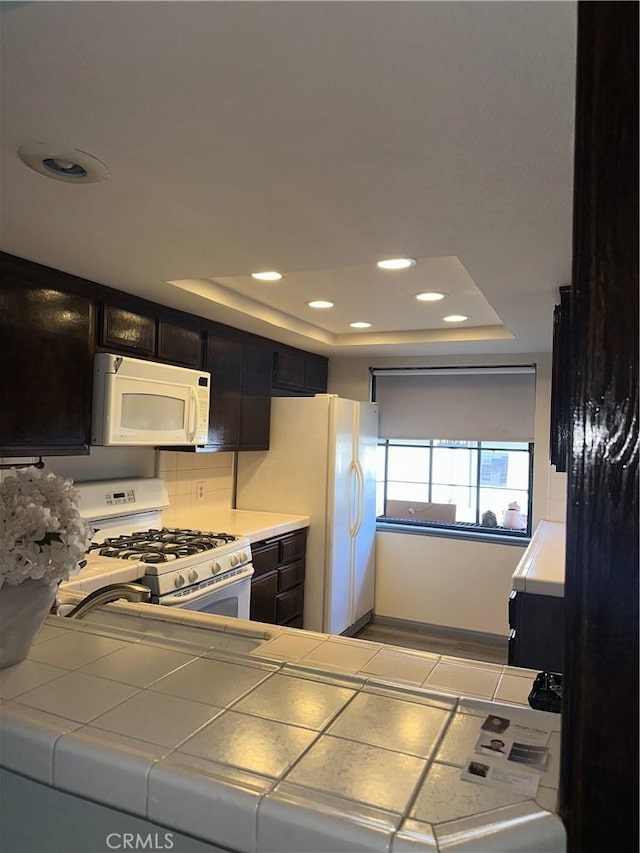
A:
{"points": [[502, 776], [494, 724], [492, 744], [477, 769], [532, 755]]}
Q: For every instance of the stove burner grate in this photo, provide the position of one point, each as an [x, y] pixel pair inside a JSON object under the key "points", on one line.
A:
{"points": [[159, 546]]}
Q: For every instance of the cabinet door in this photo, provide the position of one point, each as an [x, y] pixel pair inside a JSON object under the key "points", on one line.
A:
{"points": [[256, 397], [46, 347], [179, 345], [288, 370], [127, 332], [315, 374], [224, 362], [300, 372], [263, 598]]}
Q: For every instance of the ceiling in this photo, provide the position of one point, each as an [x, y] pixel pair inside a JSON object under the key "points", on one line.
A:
{"points": [[312, 138]]}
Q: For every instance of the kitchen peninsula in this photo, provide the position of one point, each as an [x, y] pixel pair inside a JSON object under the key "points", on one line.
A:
{"points": [[223, 734]]}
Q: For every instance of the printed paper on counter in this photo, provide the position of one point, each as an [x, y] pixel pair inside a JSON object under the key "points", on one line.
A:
{"points": [[502, 727], [500, 777], [505, 741]]}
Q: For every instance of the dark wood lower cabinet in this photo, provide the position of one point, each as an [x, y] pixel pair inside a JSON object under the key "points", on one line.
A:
{"points": [[264, 590], [536, 638], [277, 588]]}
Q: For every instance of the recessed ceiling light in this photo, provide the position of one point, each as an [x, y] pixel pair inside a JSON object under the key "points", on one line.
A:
{"points": [[320, 303], [269, 275], [430, 296], [360, 324], [396, 263], [62, 163], [455, 318]]}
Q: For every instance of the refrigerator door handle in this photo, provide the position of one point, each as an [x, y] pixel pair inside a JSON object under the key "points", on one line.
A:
{"points": [[360, 481]]}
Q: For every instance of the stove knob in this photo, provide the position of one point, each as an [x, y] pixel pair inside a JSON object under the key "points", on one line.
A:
{"points": [[215, 568], [244, 558], [234, 560], [178, 581], [193, 576]]}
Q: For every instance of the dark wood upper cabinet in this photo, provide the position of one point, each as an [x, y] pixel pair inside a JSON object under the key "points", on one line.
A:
{"points": [[179, 345], [46, 351], [127, 331], [224, 363], [147, 336], [240, 408], [316, 370], [299, 373], [256, 396], [52, 323]]}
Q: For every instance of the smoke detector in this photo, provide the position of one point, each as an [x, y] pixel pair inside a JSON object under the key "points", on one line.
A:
{"points": [[62, 163]]}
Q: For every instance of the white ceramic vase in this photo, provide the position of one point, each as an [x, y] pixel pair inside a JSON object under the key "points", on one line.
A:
{"points": [[23, 609]]}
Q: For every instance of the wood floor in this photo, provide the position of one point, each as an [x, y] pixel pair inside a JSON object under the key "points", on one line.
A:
{"points": [[437, 641]]}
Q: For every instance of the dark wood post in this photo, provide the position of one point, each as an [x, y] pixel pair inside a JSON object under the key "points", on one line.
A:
{"points": [[599, 769]]}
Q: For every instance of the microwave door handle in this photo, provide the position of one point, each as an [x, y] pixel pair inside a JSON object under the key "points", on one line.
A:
{"points": [[193, 414]]}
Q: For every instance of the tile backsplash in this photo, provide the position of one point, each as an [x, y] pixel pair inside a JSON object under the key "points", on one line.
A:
{"points": [[202, 480], [198, 480]]}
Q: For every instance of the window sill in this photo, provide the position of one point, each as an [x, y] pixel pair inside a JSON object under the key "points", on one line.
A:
{"points": [[474, 535]]}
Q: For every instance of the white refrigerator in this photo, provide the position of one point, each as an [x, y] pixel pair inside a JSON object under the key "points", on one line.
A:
{"points": [[322, 463]]}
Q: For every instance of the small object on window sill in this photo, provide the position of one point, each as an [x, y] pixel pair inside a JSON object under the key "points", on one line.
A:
{"points": [[512, 517], [489, 519]]}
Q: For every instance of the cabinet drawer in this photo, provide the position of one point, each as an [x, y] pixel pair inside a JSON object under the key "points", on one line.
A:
{"points": [[265, 558], [290, 576], [294, 547], [289, 604]]}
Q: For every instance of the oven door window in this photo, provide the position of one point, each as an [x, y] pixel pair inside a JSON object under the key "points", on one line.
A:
{"points": [[222, 607], [232, 600]]}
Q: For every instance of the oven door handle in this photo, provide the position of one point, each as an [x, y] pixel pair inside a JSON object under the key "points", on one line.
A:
{"points": [[177, 600]]}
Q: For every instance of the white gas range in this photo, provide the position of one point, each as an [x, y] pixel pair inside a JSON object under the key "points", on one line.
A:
{"points": [[191, 569]]}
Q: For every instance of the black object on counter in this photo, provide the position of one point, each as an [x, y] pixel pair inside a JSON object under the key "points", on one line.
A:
{"points": [[546, 693]]}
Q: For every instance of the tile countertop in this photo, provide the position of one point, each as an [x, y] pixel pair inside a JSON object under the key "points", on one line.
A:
{"points": [[241, 522], [257, 738], [541, 568]]}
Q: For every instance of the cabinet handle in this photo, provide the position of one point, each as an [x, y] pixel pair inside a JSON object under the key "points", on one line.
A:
{"points": [[512, 634]]}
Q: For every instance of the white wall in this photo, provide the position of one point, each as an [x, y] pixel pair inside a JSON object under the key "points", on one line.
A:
{"points": [[448, 582], [452, 582]]}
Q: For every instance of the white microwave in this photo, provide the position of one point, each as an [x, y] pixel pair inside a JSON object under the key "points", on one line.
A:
{"points": [[144, 403]]}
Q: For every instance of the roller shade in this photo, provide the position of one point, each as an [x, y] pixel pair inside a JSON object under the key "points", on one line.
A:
{"points": [[470, 404]]}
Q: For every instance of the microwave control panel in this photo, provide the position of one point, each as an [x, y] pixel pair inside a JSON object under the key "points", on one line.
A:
{"points": [[203, 415]]}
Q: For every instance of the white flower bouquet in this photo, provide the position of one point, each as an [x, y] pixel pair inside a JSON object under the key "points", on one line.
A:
{"points": [[42, 535]]}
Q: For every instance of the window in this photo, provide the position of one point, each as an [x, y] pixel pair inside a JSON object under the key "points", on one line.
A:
{"points": [[478, 478], [466, 485]]}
